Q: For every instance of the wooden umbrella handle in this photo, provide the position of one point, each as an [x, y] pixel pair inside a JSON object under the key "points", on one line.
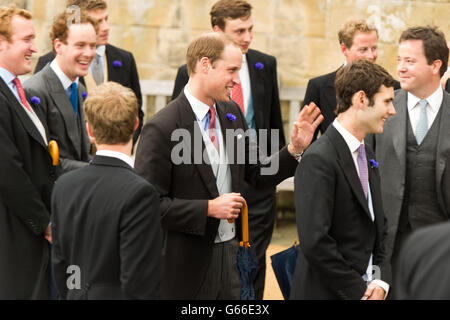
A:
{"points": [[245, 230], [53, 149]]}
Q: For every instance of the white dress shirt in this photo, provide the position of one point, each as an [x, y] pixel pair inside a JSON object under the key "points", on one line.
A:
{"points": [[244, 76], [433, 106], [65, 81], [118, 155], [353, 144]]}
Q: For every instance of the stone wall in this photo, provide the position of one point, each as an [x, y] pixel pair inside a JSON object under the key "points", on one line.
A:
{"points": [[302, 34]]}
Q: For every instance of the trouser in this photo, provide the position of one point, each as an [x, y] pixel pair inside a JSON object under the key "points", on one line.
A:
{"points": [[222, 279]]}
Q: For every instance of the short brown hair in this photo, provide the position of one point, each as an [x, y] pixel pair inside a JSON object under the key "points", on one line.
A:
{"points": [[361, 75], [434, 43], [88, 5], [350, 28], [229, 9], [111, 111], [210, 45], [60, 28], [6, 15]]}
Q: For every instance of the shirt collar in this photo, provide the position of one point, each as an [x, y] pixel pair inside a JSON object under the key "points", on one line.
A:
{"points": [[352, 142], [118, 155], [244, 59], [7, 76], [101, 50], [65, 81], [200, 109], [434, 100]]}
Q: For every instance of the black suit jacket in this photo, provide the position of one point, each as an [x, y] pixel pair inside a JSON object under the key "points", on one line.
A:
{"points": [[27, 179], [320, 90], [186, 188], [126, 74], [423, 272], [336, 232], [447, 85], [64, 127], [106, 221], [264, 89]]}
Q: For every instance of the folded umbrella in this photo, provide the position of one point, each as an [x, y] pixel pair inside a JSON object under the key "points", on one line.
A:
{"points": [[283, 264], [247, 263]]}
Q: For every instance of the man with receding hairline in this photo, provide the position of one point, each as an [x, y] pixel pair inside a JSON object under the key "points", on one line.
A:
{"points": [[201, 201]]}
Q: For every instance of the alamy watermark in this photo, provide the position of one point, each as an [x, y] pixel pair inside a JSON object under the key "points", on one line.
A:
{"points": [[241, 147]]}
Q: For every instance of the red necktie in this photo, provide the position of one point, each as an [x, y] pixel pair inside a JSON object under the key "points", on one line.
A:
{"points": [[21, 92], [212, 128], [238, 96]]}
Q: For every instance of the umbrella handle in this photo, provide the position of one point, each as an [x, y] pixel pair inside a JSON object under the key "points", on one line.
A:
{"points": [[53, 149], [245, 232]]}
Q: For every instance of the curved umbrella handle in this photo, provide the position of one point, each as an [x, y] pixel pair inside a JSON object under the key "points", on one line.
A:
{"points": [[53, 149]]}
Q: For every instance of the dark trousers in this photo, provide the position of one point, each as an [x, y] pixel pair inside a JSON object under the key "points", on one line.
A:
{"points": [[221, 281], [261, 215]]}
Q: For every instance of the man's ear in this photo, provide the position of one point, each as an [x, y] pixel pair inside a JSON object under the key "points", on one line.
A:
{"points": [[216, 28], [205, 64], [57, 46], [3, 43], [136, 124], [360, 99], [437, 64], [90, 134]]}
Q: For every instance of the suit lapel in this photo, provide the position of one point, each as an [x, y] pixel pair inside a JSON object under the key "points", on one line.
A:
{"points": [[443, 146], [257, 87], [225, 123], [375, 191], [188, 122], [62, 103], [395, 126], [21, 114], [347, 164], [111, 56]]}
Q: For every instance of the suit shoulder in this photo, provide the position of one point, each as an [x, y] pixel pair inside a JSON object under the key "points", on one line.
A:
{"points": [[119, 51], [323, 78], [261, 55], [36, 81]]}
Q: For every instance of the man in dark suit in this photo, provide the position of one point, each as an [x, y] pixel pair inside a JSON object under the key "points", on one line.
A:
{"points": [[106, 224], [423, 272], [201, 178], [27, 172], [60, 92], [260, 104], [342, 231], [110, 63], [413, 148], [358, 40]]}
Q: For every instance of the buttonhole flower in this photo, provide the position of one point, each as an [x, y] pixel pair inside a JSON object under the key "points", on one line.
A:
{"points": [[259, 66], [84, 95], [35, 100], [373, 163], [117, 64], [231, 117]]}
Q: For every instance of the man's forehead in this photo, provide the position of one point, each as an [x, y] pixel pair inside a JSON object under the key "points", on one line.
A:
{"points": [[238, 23]]}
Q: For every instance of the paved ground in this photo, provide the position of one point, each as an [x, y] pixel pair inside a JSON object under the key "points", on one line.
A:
{"points": [[283, 237]]}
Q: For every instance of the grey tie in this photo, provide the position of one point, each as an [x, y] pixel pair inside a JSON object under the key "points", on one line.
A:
{"points": [[422, 124], [97, 70]]}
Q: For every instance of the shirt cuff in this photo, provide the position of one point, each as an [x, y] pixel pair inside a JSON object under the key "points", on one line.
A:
{"points": [[383, 285]]}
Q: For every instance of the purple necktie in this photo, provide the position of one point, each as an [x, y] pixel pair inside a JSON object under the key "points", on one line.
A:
{"points": [[363, 169]]}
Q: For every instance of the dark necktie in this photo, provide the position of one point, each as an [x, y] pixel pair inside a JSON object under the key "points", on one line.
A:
{"points": [[212, 128], [21, 93], [363, 169], [74, 97]]}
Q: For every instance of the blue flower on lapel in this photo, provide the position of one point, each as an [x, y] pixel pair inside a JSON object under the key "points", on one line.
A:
{"points": [[117, 64], [231, 117], [373, 163], [259, 66], [35, 100], [84, 95]]}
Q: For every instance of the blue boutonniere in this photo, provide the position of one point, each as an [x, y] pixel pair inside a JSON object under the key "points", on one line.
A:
{"points": [[35, 100], [84, 95], [259, 66], [117, 64], [373, 163], [231, 117]]}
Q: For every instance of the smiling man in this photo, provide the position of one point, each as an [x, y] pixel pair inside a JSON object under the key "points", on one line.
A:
{"points": [[110, 63], [358, 40], [340, 218], [58, 88], [257, 96], [413, 149], [27, 173], [197, 199]]}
